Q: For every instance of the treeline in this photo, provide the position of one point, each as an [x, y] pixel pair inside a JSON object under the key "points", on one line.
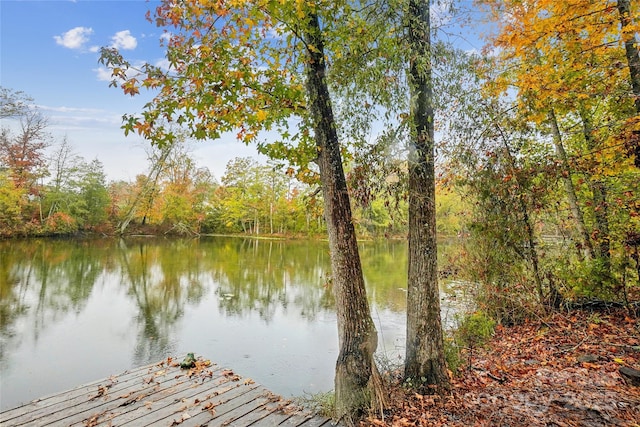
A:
{"points": [[46, 189]]}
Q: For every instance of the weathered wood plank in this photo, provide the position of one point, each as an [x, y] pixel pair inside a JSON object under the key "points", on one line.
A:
{"points": [[224, 410], [162, 394], [167, 403], [141, 403], [111, 392], [306, 419], [207, 409], [82, 390], [269, 413]]}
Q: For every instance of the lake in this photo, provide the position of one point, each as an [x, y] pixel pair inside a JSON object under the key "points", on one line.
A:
{"points": [[74, 311]]}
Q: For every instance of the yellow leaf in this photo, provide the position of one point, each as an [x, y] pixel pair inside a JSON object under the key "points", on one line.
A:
{"points": [[261, 115]]}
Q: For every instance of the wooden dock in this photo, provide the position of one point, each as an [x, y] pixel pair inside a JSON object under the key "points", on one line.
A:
{"points": [[163, 394]]}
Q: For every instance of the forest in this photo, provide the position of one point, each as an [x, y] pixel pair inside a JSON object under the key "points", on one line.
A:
{"points": [[529, 151]]}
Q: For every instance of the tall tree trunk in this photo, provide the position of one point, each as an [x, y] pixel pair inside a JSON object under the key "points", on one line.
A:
{"points": [[357, 384], [425, 363], [587, 247], [633, 60]]}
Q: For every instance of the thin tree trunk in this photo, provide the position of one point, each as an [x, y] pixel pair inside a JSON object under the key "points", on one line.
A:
{"points": [[600, 207], [633, 60], [271, 218], [147, 190], [531, 252], [356, 372], [576, 212], [425, 363]]}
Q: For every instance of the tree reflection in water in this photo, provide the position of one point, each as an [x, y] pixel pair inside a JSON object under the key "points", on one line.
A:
{"points": [[73, 311]]}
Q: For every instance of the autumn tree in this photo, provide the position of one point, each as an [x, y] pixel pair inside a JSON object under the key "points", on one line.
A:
{"points": [[140, 204], [629, 28], [12, 204], [571, 65], [236, 66], [243, 191], [23, 151], [183, 192]]}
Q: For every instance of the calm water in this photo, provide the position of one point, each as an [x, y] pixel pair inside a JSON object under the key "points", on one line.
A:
{"points": [[76, 311]]}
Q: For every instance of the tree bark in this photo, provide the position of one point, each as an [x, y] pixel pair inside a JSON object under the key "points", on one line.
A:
{"points": [[631, 49], [600, 206], [587, 247], [357, 384], [633, 61], [425, 363]]}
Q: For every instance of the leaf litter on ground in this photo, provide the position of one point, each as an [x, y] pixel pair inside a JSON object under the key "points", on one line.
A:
{"points": [[563, 370]]}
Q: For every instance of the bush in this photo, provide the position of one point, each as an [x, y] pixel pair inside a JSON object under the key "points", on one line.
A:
{"points": [[474, 330], [60, 223]]}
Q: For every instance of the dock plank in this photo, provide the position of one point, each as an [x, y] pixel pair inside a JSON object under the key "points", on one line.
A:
{"points": [[141, 403], [163, 394], [83, 390], [306, 420], [111, 391], [168, 404], [214, 409]]}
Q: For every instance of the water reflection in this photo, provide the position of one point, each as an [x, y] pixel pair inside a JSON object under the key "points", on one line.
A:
{"points": [[75, 311]]}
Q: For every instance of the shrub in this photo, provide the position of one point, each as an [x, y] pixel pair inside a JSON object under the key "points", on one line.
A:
{"points": [[473, 330], [60, 223]]}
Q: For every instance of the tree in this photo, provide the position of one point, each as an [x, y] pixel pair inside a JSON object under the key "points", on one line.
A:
{"points": [[572, 65], [24, 153], [425, 363], [355, 368], [182, 192], [228, 72], [64, 166], [629, 29], [147, 189], [13, 103], [244, 187], [12, 201], [93, 193]]}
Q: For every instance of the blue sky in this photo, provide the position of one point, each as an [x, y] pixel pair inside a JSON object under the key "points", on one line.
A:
{"points": [[49, 50]]}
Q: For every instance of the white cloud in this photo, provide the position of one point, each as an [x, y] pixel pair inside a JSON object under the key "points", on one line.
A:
{"points": [[103, 74], [70, 109], [163, 64], [75, 38], [124, 40]]}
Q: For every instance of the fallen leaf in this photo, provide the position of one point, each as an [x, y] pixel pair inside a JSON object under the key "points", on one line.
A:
{"points": [[209, 407]]}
